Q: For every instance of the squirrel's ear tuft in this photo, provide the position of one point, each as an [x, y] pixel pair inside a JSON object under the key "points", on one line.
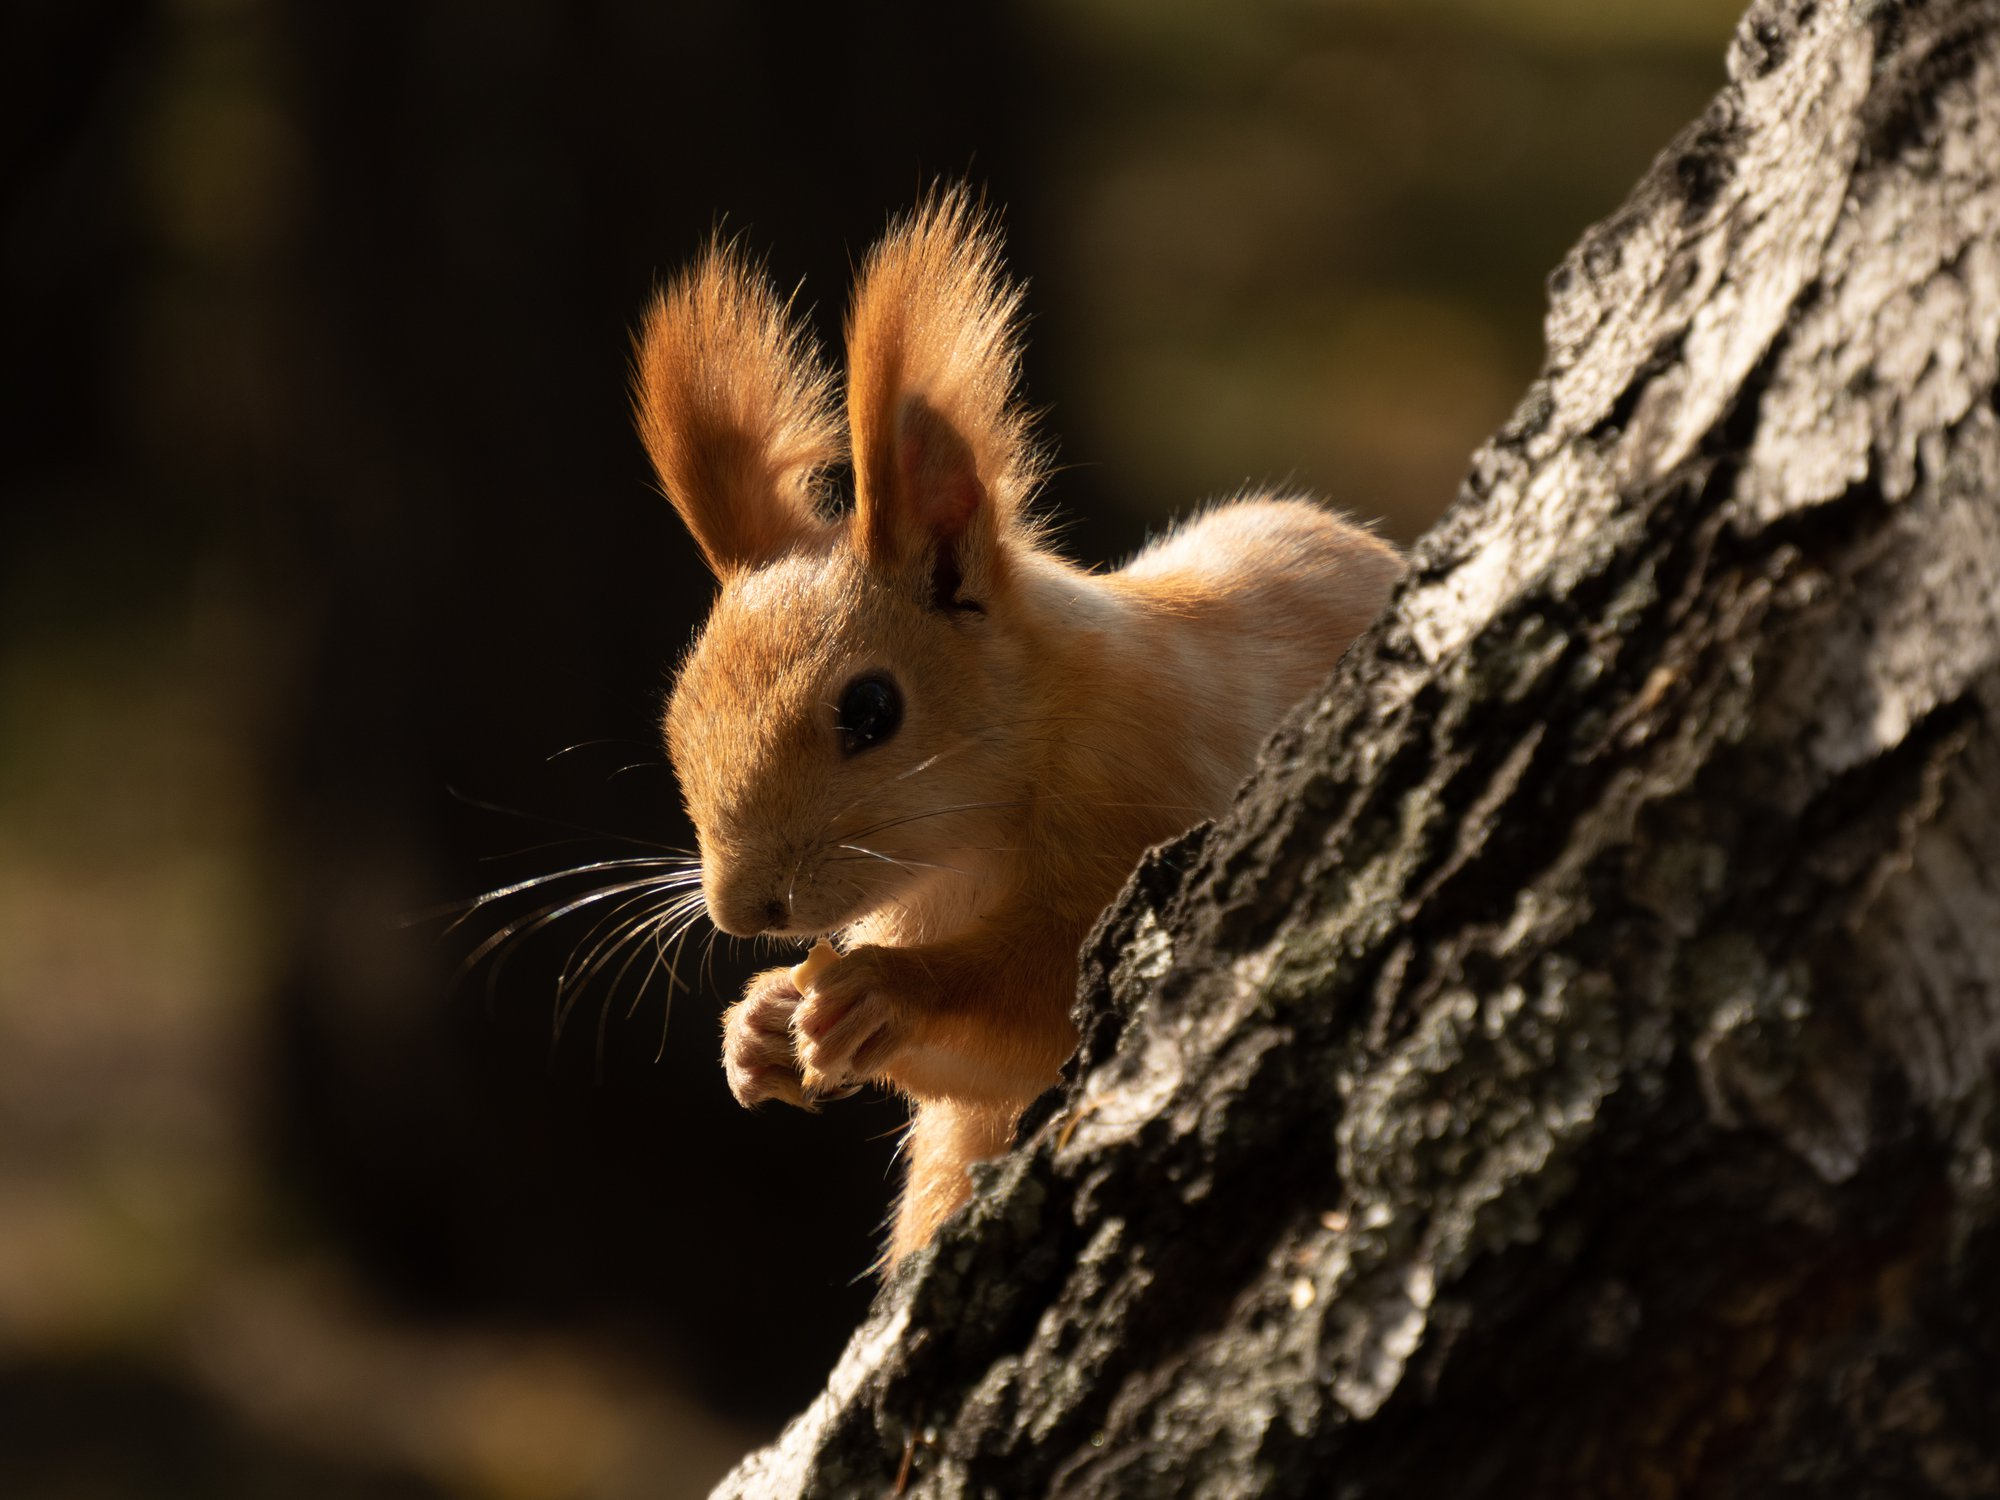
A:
{"points": [[943, 461], [735, 409]]}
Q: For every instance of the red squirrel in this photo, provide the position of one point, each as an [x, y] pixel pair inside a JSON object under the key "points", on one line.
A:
{"points": [[914, 728]]}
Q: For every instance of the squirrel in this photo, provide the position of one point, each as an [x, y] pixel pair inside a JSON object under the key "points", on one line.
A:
{"points": [[914, 727]]}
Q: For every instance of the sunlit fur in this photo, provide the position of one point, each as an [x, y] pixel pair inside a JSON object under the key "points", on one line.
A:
{"points": [[735, 410], [934, 321], [1051, 734]]}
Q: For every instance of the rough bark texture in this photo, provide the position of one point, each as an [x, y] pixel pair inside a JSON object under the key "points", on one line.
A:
{"points": [[1570, 1069]]}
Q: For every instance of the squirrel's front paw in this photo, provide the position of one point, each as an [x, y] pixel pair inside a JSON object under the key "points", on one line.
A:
{"points": [[850, 1023], [757, 1054]]}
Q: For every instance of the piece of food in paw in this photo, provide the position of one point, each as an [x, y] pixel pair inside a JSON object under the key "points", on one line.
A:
{"points": [[823, 957]]}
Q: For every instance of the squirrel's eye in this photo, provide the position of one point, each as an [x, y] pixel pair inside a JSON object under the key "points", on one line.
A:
{"points": [[871, 709]]}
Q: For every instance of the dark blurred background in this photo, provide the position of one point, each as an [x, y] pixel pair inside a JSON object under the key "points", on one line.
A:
{"points": [[324, 533]]}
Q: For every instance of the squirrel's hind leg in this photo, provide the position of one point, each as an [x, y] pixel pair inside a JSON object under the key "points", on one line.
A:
{"points": [[946, 1137]]}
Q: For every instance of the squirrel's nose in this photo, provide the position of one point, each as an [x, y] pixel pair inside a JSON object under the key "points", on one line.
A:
{"points": [[744, 914]]}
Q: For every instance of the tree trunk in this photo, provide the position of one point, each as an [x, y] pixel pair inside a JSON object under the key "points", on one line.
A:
{"points": [[1570, 1068]]}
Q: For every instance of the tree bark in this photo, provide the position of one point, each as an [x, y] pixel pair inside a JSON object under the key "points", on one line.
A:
{"points": [[1569, 1070]]}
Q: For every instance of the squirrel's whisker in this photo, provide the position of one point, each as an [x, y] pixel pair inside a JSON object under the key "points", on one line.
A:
{"points": [[891, 859], [682, 924], [573, 838], [576, 977], [939, 812], [652, 896], [466, 908], [578, 828], [671, 966], [585, 745], [637, 765], [509, 938], [645, 934], [632, 941], [921, 766]]}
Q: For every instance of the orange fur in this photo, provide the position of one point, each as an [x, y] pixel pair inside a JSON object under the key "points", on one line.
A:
{"points": [[1055, 723], [735, 410], [932, 356]]}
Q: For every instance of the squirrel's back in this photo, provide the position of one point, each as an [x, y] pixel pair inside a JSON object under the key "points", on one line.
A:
{"points": [[1159, 683], [1256, 601]]}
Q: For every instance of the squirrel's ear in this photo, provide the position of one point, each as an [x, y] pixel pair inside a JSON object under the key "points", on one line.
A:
{"points": [[736, 411], [943, 464]]}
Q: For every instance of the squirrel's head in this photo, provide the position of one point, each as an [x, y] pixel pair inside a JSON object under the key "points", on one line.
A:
{"points": [[847, 725]]}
